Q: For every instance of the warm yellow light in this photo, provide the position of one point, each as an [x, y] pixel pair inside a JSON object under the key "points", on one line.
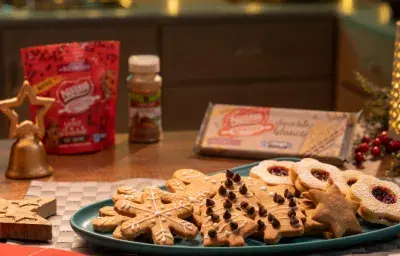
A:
{"points": [[173, 7], [384, 13], [347, 7], [93, 13], [253, 8], [125, 3], [59, 1]]}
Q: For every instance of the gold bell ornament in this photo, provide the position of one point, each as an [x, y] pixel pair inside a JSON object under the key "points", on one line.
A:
{"points": [[28, 158]]}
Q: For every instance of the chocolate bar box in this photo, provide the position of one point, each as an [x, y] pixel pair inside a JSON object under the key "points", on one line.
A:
{"points": [[263, 132]]}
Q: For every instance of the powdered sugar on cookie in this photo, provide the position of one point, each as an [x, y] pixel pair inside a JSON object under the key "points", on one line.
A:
{"points": [[273, 172]]}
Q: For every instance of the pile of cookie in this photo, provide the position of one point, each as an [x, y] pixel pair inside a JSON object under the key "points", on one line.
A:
{"points": [[279, 199]]}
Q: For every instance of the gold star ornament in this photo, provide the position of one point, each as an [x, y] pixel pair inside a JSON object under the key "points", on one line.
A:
{"points": [[26, 91], [27, 157]]}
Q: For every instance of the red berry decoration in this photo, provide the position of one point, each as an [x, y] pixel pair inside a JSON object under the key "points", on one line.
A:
{"points": [[363, 147], [384, 138], [396, 145], [376, 151], [359, 157], [393, 146], [366, 139], [376, 142]]}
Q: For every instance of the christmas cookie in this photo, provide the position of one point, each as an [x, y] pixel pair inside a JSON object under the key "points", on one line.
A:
{"points": [[196, 195], [157, 218], [312, 227], [351, 176], [191, 176], [278, 216], [127, 193], [312, 174], [108, 220], [334, 210], [224, 225], [379, 200], [273, 172]]}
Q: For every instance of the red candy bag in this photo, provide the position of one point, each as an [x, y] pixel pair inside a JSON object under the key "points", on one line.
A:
{"points": [[83, 78]]}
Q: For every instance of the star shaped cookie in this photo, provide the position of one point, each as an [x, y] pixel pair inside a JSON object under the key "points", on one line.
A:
{"points": [[335, 211]]}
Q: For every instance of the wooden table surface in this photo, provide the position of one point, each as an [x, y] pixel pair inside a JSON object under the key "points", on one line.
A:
{"points": [[126, 160]]}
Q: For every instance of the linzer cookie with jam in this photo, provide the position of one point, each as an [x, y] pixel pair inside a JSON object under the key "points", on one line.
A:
{"points": [[262, 132], [313, 174], [273, 172], [82, 78], [379, 200]]}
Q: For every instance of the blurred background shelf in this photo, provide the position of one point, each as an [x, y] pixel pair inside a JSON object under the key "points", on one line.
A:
{"points": [[271, 54]]}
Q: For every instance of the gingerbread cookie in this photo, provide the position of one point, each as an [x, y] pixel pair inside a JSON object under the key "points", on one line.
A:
{"points": [[108, 220], [379, 200], [193, 194], [127, 193], [224, 224], [273, 172], [312, 174], [334, 210], [278, 216], [191, 176], [153, 216]]}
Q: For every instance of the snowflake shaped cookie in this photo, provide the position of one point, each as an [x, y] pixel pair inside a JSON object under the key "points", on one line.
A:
{"points": [[157, 218]]}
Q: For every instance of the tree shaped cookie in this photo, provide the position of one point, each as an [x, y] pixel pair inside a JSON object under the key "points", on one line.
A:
{"points": [[334, 210], [157, 218], [237, 192], [278, 216], [224, 226], [25, 219]]}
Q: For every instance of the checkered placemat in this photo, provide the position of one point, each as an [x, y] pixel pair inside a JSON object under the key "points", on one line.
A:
{"points": [[72, 196]]}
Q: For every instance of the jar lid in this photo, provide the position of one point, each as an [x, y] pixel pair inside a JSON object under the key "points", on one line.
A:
{"points": [[144, 64]]}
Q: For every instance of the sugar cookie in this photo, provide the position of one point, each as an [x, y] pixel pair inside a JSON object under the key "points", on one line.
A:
{"points": [[334, 210], [273, 172], [351, 176], [224, 225], [312, 174], [278, 216], [379, 200]]}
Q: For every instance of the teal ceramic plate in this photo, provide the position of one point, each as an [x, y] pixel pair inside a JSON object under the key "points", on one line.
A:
{"points": [[81, 223]]}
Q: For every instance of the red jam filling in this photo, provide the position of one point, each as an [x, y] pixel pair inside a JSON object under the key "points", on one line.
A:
{"points": [[351, 182], [278, 171], [320, 174], [384, 195]]}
